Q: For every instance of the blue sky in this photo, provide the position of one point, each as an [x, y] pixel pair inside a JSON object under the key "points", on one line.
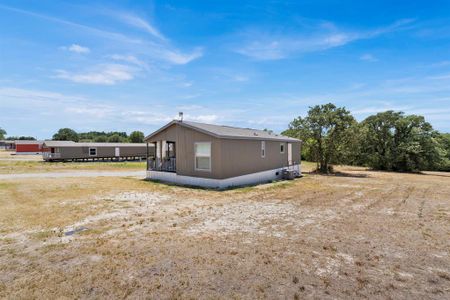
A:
{"points": [[132, 65]]}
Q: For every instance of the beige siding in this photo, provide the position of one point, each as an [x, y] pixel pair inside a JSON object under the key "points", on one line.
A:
{"points": [[229, 157], [186, 156], [169, 134], [296, 152], [105, 152], [242, 157]]}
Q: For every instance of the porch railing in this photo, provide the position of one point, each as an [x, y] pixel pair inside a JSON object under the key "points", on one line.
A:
{"points": [[164, 165]]}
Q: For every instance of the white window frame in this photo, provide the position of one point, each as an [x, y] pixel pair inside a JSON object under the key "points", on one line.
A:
{"points": [[282, 148], [263, 149], [195, 157], [90, 151]]}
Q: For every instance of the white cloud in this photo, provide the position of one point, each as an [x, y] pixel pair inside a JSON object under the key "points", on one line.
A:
{"points": [[178, 58], [368, 57], [99, 32], [377, 109], [240, 78], [35, 97], [140, 23], [212, 118], [70, 110], [158, 48], [279, 47], [443, 63], [129, 59], [189, 96], [186, 84], [439, 77], [77, 49], [108, 74], [57, 110], [146, 117], [272, 46], [190, 107], [98, 111], [268, 121], [264, 50]]}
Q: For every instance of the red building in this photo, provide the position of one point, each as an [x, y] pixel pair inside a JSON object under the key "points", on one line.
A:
{"points": [[29, 147]]}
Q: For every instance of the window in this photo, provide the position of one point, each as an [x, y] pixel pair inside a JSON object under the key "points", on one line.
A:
{"points": [[92, 151], [203, 156], [282, 148], [263, 149]]}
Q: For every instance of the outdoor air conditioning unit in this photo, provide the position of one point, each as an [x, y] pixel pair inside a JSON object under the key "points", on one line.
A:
{"points": [[288, 174]]}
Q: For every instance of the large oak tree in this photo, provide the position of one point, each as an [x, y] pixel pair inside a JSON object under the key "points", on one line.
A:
{"points": [[323, 132]]}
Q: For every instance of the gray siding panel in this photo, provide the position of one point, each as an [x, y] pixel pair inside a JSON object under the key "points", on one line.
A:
{"points": [[169, 134], [241, 157], [229, 157], [186, 139], [103, 152]]}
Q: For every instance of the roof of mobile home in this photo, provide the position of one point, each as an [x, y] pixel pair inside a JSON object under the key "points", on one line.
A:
{"points": [[27, 142], [228, 132], [74, 144]]}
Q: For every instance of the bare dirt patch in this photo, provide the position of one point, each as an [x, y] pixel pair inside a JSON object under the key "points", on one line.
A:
{"points": [[381, 235]]}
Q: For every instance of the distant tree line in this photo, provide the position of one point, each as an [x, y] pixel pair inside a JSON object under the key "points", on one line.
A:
{"points": [[389, 140], [21, 138], [2, 133], [67, 134], [13, 138]]}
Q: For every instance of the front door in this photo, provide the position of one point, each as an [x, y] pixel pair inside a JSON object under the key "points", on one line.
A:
{"points": [[289, 149]]}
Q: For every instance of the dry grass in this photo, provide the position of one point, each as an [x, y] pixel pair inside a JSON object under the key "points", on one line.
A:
{"points": [[13, 164], [357, 235]]}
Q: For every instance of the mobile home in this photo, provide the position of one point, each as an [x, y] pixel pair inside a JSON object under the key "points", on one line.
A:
{"points": [[217, 156], [29, 147], [7, 145], [72, 151]]}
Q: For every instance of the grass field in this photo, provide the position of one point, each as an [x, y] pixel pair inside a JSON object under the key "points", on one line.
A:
{"points": [[13, 164], [360, 234]]}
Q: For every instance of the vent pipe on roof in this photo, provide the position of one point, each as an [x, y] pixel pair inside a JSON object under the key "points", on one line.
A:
{"points": [[180, 116]]}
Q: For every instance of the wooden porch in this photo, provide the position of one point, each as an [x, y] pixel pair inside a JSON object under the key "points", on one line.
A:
{"points": [[165, 157]]}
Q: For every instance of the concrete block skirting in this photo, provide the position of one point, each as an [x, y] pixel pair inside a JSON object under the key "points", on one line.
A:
{"points": [[249, 179]]}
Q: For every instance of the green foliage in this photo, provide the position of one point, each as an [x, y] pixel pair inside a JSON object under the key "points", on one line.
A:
{"points": [[385, 141], [21, 138], [393, 141], [101, 136], [98, 136], [444, 147], [323, 132], [101, 139], [2, 133], [351, 150], [136, 137], [66, 134], [116, 138]]}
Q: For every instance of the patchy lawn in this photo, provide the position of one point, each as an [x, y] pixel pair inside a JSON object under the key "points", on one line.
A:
{"points": [[359, 234], [13, 164]]}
